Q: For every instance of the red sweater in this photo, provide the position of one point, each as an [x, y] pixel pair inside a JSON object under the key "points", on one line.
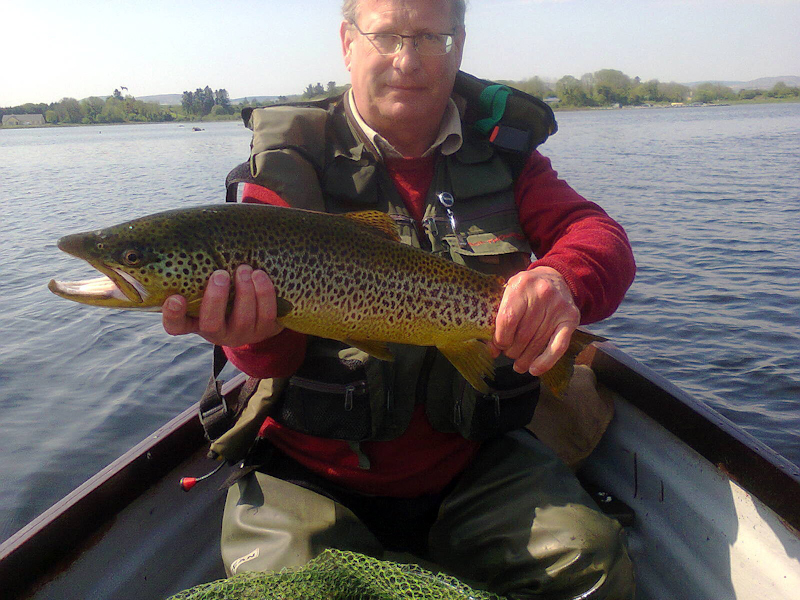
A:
{"points": [[568, 233]]}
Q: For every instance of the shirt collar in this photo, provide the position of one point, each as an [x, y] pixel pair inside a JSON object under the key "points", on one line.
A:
{"points": [[448, 140]]}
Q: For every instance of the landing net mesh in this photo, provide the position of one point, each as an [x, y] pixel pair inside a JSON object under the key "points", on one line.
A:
{"points": [[338, 575]]}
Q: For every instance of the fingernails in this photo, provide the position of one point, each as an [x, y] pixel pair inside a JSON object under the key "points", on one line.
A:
{"points": [[172, 304], [244, 273], [220, 278], [536, 370]]}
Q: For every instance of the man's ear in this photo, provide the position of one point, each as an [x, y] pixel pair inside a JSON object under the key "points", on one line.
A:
{"points": [[346, 34]]}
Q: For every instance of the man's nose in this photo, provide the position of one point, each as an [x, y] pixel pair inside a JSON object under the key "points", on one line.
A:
{"points": [[407, 59]]}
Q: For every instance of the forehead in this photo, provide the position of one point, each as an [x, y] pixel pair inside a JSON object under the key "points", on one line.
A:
{"points": [[394, 15]]}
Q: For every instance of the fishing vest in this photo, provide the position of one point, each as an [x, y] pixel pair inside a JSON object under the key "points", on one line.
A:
{"points": [[316, 158]]}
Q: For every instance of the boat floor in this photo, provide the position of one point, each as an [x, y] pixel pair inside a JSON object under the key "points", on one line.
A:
{"points": [[164, 542], [696, 534]]}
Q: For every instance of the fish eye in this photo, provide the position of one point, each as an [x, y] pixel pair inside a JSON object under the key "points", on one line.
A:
{"points": [[131, 258], [100, 246]]}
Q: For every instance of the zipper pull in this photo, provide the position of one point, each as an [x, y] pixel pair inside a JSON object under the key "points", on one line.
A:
{"points": [[348, 397], [430, 223], [446, 200]]}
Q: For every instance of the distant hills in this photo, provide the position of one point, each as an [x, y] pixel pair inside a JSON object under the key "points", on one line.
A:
{"points": [[762, 83], [175, 99]]}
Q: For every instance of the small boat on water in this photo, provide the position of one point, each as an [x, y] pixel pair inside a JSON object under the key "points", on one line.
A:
{"points": [[713, 513]]}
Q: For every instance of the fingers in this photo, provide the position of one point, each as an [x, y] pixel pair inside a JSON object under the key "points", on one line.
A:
{"points": [[540, 359], [555, 349], [535, 321], [213, 308], [174, 319], [254, 308], [244, 314], [266, 300], [251, 318]]}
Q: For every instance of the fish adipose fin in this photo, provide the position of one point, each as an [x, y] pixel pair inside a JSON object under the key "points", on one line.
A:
{"points": [[373, 348], [473, 360], [378, 222], [558, 377]]}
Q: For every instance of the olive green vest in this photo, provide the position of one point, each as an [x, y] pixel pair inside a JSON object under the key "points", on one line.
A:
{"points": [[315, 159]]}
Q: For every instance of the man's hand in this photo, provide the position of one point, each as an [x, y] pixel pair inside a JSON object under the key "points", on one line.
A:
{"points": [[251, 320], [535, 321]]}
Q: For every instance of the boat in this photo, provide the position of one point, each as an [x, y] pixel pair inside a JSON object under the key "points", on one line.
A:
{"points": [[710, 512]]}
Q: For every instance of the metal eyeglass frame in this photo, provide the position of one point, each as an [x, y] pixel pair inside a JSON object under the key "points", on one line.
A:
{"points": [[449, 41]]}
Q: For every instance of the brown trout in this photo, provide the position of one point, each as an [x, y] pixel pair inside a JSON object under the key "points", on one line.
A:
{"points": [[342, 277]]}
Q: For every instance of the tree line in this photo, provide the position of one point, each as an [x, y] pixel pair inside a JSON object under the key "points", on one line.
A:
{"points": [[607, 87], [610, 87], [113, 109], [204, 102], [317, 91]]}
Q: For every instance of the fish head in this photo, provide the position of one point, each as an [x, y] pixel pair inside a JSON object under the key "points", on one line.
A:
{"points": [[142, 262]]}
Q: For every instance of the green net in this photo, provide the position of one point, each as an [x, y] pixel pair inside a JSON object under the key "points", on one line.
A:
{"points": [[338, 575]]}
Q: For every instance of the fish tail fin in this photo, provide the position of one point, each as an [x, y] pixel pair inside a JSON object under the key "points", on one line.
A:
{"points": [[558, 377], [473, 360]]}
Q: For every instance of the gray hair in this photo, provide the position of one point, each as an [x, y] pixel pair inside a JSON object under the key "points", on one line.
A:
{"points": [[457, 7]]}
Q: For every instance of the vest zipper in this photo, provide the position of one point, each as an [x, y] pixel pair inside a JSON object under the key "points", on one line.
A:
{"points": [[348, 389], [503, 394]]}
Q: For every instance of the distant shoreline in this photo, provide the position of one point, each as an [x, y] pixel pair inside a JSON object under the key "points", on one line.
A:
{"points": [[237, 117]]}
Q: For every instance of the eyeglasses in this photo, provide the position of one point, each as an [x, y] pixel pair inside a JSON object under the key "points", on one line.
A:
{"points": [[427, 44]]}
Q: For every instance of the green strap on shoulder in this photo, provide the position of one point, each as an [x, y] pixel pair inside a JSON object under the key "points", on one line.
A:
{"points": [[492, 101]]}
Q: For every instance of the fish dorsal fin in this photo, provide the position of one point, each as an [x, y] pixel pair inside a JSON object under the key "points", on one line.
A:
{"points": [[378, 222]]}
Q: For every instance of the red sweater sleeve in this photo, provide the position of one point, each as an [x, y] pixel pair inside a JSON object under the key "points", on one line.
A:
{"points": [[576, 238], [279, 356]]}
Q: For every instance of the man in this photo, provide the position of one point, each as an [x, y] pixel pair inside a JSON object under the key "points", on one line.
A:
{"points": [[486, 504]]}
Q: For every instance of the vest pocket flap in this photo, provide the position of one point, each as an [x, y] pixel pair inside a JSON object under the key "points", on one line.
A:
{"points": [[471, 180], [289, 175], [490, 244], [504, 254], [290, 127]]}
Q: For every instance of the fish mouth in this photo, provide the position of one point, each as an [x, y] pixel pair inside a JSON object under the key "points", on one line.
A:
{"points": [[115, 288]]}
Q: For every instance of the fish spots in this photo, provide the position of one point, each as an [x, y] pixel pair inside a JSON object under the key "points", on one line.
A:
{"points": [[338, 275]]}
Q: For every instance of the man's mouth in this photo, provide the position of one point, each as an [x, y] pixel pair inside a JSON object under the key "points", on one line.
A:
{"points": [[408, 89]]}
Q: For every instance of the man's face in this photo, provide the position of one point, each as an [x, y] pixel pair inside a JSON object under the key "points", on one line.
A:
{"points": [[405, 91]]}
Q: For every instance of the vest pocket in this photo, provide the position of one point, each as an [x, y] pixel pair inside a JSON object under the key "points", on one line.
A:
{"points": [[331, 410], [509, 405]]}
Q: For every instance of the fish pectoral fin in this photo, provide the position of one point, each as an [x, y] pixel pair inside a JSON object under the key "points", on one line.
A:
{"points": [[284, 307], [558, 377], [193, 307], [374, 348], [378, 222], [473, 360]]}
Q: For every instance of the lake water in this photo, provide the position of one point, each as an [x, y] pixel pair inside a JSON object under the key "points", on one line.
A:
{"points": [[710, 198]]}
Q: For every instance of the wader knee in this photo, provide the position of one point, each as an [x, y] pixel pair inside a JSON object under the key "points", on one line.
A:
{"points": [[519, 522], [575, 552], [269, 524]]}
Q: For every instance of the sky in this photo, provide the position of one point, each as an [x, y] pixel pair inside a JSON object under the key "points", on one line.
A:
{"points": [[51, 49]]}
